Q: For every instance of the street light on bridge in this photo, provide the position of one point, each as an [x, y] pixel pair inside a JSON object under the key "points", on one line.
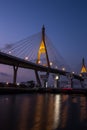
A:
{"points": [[56, 81], [63, 69], [57, 77], [51, 63], [26, 58], [73, 72], [39, 62], [9, 52]]}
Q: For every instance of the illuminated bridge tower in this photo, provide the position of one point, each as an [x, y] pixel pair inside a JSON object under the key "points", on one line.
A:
{"points": [[83, 69], [42, 51], [83, 73]]}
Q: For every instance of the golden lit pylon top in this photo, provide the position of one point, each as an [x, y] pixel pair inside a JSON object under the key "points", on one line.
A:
{"points": [[83, 69], [42, 48]]}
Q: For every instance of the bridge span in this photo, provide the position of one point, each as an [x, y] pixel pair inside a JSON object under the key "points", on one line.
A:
{"points": [[18, 62]]}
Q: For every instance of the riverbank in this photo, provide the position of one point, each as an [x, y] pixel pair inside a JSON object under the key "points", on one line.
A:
{"points": [[13, 90]]}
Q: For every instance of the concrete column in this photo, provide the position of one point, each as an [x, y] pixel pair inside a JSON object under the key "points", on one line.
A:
{"points": [[82, 83], [56, 81], [37, 78], [15, 68], [71, 82]]}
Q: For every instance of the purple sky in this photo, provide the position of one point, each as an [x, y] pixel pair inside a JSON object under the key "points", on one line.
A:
{"points": [[65, 22]]}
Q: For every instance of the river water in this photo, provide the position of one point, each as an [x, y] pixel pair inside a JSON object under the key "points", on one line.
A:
{"points": [[43, 112]]}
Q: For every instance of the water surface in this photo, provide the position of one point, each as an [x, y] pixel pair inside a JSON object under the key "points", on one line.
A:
{"points": [[43, 112]]}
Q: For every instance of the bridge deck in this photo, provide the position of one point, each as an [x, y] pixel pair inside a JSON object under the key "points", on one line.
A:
{"points": [[15, 61]]}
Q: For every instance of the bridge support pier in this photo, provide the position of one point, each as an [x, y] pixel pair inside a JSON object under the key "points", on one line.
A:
{"points": [[56, 81], [37, 78], [45, 84], [15, 68], [71, 82], [70, 79], [82, 84]]}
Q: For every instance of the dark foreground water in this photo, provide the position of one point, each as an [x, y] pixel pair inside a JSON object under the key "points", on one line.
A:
{"points": [[43, 112]]}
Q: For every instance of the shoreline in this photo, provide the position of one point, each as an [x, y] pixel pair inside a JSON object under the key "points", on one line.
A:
{"points": [[13, 90]]}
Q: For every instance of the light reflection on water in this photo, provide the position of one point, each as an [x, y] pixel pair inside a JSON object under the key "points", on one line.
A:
{"points": [[43, 112], [56, 111]]}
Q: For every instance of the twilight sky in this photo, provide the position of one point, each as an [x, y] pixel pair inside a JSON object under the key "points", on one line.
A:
{"points": [[65, 22]]}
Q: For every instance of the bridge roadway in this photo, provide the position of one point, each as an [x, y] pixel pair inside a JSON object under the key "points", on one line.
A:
{"points": [[15, 61]]}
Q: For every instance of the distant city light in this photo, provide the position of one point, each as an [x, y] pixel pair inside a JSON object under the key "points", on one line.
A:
{"points": [[80, 75], [7, 83], [63, 69], [18, 84], [56, 67], [73, 72], [9, 52]]}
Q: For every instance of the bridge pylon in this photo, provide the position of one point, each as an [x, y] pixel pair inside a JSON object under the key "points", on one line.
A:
{"points": [[83, 73], [83, 69], [42, 50]]}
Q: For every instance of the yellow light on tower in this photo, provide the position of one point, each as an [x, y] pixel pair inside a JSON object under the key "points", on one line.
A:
{"points": [[39, 62]]}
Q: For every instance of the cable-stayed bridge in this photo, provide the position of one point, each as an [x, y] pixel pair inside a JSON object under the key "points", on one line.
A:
{"points": [[37, 53]]}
